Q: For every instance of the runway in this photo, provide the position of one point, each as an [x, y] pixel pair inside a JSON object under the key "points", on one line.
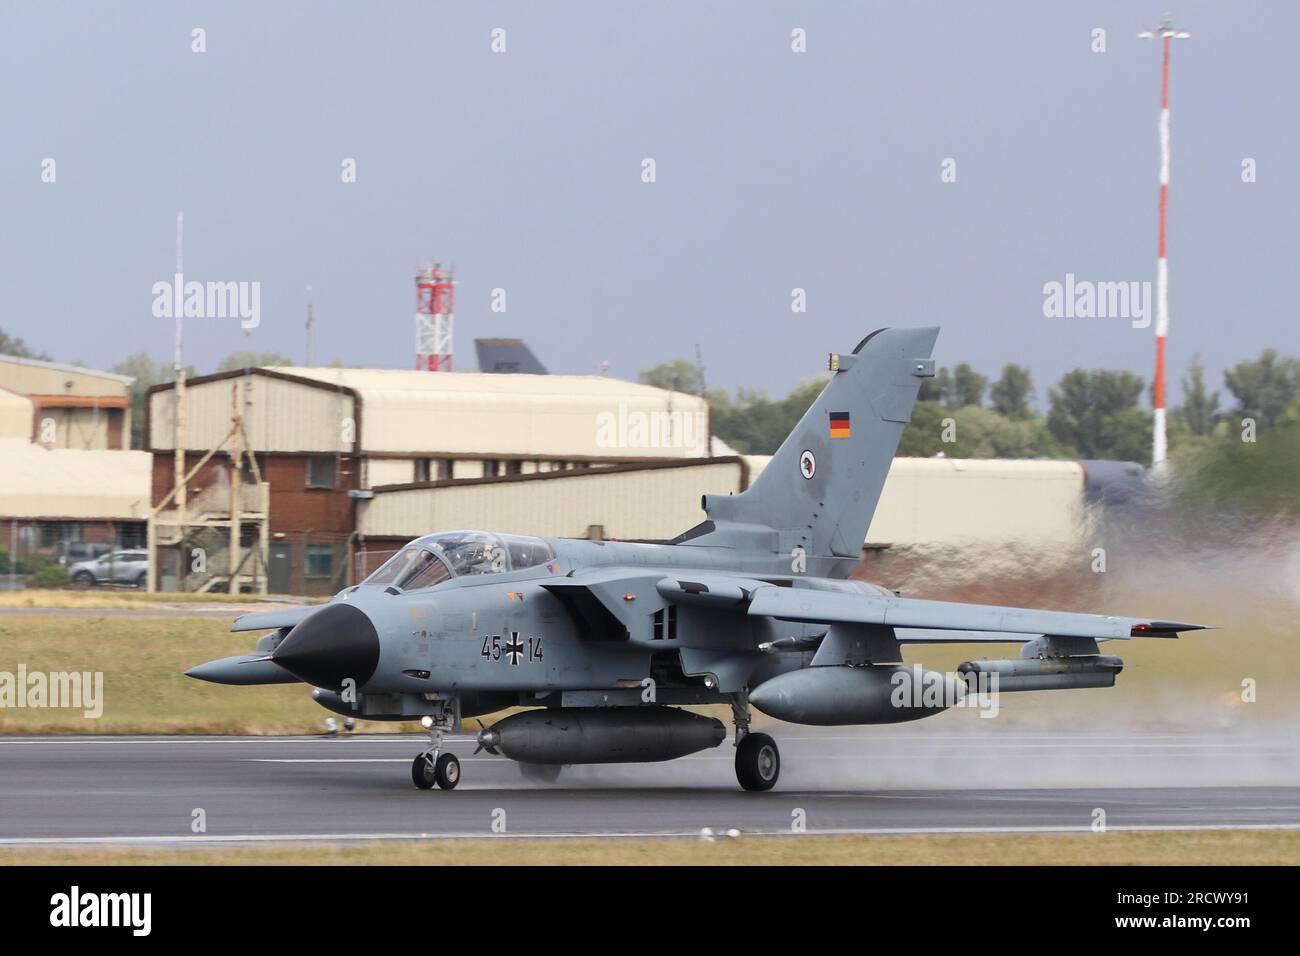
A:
{"points": [[151, 790]]}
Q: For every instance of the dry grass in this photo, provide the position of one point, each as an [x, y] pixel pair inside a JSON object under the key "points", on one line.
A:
{"points": [[145, 688], [102, 598], [1198, 848]]}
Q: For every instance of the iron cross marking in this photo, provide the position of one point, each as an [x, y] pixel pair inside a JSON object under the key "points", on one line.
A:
{"points": [[515, 648]]}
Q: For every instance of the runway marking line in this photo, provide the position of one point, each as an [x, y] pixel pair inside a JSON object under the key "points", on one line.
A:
{"points": [[215, 839]]}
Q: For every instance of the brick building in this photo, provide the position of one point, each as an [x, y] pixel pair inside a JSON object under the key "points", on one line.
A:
{"points": [[323, 438]]}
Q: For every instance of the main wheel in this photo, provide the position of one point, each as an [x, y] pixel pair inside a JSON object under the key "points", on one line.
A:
{"points": [[758, 762], [422, 772], [540, 772], [447, 771]]}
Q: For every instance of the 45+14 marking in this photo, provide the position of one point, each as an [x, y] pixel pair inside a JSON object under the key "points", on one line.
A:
{"points": [[514, 649]]}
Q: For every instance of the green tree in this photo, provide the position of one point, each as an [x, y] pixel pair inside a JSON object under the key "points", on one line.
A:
{"points": [[12, 345], [1200, 410], [1265, 387], [984, 433], [923, 436], [238, 360], [678, 375], [147, 373], [1012, 392], [1227, 476], [938, 389], [967, 387], [754, 424], [976, 433], [1096, 414]]}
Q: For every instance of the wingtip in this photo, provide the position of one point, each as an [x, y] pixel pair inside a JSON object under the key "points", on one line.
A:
{"points": [[1165, 628]]}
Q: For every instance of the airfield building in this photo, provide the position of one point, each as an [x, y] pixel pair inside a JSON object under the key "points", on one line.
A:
{"points": [[64, 406], [324, 439], [67, 478]]}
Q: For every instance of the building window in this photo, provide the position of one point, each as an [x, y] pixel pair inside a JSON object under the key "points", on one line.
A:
{"points": [[320, 471], [433, 469], [491, 468], [54, 532], [132, 536], [515, 467], [320, 560]]}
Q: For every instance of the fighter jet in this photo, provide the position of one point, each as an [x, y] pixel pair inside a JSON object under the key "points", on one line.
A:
{"points": [[598, 645]]}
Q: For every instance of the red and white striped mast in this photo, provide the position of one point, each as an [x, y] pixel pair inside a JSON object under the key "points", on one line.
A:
{"points": [[435, 297], [1166, 33]]}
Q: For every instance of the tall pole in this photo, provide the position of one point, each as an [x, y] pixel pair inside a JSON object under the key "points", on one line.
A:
{"points": [[310, 322], [236, 484], [1159, 446]]}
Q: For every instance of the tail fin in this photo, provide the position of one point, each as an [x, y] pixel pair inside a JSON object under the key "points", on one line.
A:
{"points": [[821, 487]]}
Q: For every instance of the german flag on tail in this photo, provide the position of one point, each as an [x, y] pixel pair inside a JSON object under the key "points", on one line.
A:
{"points": [[840, 425]]}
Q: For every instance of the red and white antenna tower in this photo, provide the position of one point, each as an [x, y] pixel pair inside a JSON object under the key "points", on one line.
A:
{"points": [[435, 298], [1166, 34]]}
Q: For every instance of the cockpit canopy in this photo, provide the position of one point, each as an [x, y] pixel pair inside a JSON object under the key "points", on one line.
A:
{"points": [[438, 557]]}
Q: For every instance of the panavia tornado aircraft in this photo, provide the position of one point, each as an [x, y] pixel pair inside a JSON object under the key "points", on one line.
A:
{"points": [[603, 642]]}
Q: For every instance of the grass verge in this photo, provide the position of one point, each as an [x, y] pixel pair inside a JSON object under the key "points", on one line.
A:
{"points": [[100, 598], [143, 661], [1198, 848]]}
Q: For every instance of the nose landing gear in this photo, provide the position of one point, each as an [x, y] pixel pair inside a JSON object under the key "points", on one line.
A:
{"points": [[433, 768], [430, 769]]}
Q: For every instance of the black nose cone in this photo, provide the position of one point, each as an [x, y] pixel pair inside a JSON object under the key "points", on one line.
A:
{"points": [[335, 644]]}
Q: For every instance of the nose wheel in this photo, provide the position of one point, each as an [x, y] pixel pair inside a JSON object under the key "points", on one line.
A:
{"points": [[433, 768], [428, 771]]}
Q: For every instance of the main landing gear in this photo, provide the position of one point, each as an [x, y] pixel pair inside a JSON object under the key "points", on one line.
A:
{"points": [[758, 761], [433, 768]]}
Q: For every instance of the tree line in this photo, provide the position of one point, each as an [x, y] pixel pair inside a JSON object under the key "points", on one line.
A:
{"points": [[961, 413]]}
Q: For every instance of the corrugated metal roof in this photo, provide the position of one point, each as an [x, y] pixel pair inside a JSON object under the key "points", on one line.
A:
{"points": [[543, 416], [39, 482], [376, 381], [655, 502], [925, 501], [15, 415], [76, 370], [281, 415]]}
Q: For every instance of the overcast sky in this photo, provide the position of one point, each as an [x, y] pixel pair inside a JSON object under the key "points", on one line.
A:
{"points": [[775, 170]]}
